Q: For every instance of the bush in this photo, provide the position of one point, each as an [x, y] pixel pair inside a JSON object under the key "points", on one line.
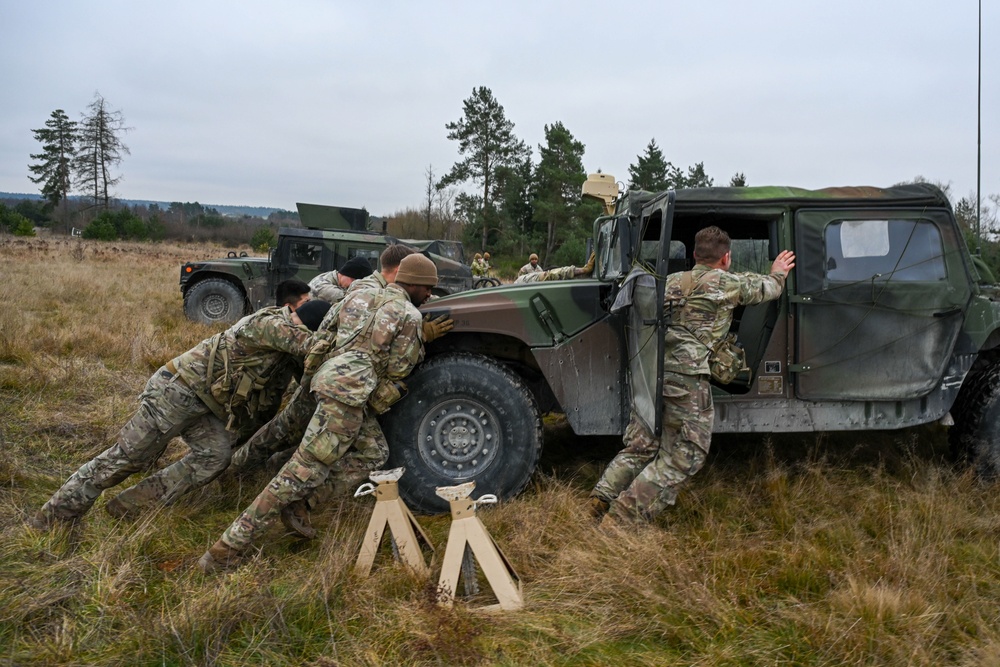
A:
{"points": [[101, 229], [263, 239], [22, 226]]}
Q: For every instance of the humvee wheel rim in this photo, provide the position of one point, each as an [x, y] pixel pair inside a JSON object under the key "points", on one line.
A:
{"points": [[215, 306], [458, 438]]}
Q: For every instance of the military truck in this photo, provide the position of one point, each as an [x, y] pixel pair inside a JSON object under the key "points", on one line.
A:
{"points": [[223, 290], [886, 322]]}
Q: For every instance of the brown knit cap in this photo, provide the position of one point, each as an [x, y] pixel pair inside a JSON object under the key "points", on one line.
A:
{"points": [[416, 269]]}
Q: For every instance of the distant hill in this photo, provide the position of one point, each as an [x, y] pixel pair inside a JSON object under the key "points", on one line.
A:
{"points": [[234, 211]]}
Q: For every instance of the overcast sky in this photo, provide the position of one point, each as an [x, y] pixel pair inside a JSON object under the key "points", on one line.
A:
{"points": [[268, 103]]}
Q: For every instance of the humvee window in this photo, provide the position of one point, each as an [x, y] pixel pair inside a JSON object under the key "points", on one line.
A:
{"points": [[305, 253], [907, 250], [750, 255], [369, 254]]}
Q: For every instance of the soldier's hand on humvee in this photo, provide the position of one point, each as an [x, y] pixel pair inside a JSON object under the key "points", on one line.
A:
{"points": [[434, 329], [784, 262]]}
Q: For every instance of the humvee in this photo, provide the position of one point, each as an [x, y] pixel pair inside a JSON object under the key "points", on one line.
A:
{"points": [[224, 290], [885, 323]]}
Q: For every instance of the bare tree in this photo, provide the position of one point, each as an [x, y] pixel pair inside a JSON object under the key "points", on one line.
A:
{"points": [[100, 149]]}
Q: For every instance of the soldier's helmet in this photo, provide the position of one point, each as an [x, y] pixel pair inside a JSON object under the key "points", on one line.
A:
{"points": [[486, 257], [478, 256]]}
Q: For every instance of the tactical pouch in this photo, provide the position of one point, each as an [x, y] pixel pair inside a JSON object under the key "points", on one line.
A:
{"points": [[727, 360], [385, 394]]}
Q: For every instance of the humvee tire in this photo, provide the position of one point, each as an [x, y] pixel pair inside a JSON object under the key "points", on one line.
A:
{"points": [[975, 437], [486, 281], [214, 301], [465, 416]]}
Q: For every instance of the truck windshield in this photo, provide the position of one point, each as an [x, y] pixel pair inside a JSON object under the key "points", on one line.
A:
{"points": [[609, 262]]}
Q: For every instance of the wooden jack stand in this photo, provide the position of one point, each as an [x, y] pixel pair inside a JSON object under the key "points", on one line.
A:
{"points": [[468, 531], [406, 533]]}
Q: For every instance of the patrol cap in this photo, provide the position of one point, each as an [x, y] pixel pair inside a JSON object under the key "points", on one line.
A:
{"points": [[312, 312], [356, 268], [416, 269]]}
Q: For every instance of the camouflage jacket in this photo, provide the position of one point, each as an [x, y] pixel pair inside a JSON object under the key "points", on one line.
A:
{"points": [[375, 281], [702, 318], [479, 267], [326, 286], [379, 338], [245, 369], [528, 268]]}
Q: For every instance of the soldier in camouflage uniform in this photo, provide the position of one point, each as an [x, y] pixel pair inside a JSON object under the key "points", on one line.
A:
{"points": [[288, 427], [292, 293], [332, 285], [204, 395], [478, 266], [379, 341], [561, 273], [530, 267], [644, 477]]}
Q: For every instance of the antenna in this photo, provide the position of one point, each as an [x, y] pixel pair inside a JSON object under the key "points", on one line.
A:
{"points": [[979, 129]]}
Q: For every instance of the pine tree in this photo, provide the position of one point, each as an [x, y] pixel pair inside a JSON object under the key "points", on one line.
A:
{"points": [[559, 175], [54, 169], [652, 172], [487, 142]]}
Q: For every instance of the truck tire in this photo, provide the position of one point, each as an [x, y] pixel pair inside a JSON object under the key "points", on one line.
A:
{"points": [[465, 417], [481, 283], [214, 301], [975, 437]]}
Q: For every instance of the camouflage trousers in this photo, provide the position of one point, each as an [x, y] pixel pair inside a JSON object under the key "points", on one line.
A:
{"points": [[562, 273], [287, 430], [167, 408], [643, 479], [341, 444]]}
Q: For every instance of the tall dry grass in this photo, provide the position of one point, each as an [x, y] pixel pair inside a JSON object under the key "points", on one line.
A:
{"points": [[844, 549]]}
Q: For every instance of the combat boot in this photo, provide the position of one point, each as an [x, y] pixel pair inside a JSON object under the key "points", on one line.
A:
{"points": [[295, 518], [44, 521], [119, 509], [220, 556], [597, 507]]}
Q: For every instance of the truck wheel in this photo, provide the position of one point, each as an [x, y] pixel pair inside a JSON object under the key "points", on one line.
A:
{"points": [[481, 283], [466, 417], [214, 301], [975, 437]]}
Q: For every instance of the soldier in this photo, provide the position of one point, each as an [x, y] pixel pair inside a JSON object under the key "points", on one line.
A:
{"points": [[487, 263], [561, 273], [478, 266], [292, 293], [379, 340], [644, 477], [204, 395], [530, 267], [288, 427], [332, 285]]}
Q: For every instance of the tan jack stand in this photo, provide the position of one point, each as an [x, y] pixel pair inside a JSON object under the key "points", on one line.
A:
{"points": [[406, 533], [468, 531]]}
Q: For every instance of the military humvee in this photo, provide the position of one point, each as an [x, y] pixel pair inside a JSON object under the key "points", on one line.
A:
{"points": [[223, 290], [884, 323]]}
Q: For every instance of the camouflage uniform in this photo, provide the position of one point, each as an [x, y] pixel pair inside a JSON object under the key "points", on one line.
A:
{"points": [[251, 364], [562, 273], [528, 268], [644, 477], [479, 267], [379, 340], [326, 286], [287, 428]]}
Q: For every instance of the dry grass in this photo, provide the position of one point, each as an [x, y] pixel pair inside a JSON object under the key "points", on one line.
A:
{"points": [[849, 549]]}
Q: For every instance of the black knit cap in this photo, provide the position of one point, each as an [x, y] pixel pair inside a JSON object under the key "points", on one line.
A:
{"points": [[312, 312], [357, 268]]}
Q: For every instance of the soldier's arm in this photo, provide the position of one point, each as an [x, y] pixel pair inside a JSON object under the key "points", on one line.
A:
{"points": [[276, 332], [407, 348]]}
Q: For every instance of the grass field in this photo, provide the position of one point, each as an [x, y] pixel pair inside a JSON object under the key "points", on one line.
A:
{"points": [[838, 549]]}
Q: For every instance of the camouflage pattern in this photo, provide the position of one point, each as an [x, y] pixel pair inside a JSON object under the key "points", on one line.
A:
{"points": [[479, 267], [253, 362], [702, 318], [174, 403], [167, 408], [376, 281], [528, 268], [642, 480], [561, 273], [378, 340], [326, 286]]}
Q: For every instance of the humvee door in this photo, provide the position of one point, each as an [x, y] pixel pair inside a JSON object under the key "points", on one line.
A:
{"points": [[646, 325], [880, 302]]}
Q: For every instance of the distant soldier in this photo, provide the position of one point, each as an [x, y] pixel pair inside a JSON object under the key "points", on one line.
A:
{"points": [[530, 267], [644, 477], [332, 285], [378, 343], [292, 293], [561, 273], [205, 395], [479, 266]]}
